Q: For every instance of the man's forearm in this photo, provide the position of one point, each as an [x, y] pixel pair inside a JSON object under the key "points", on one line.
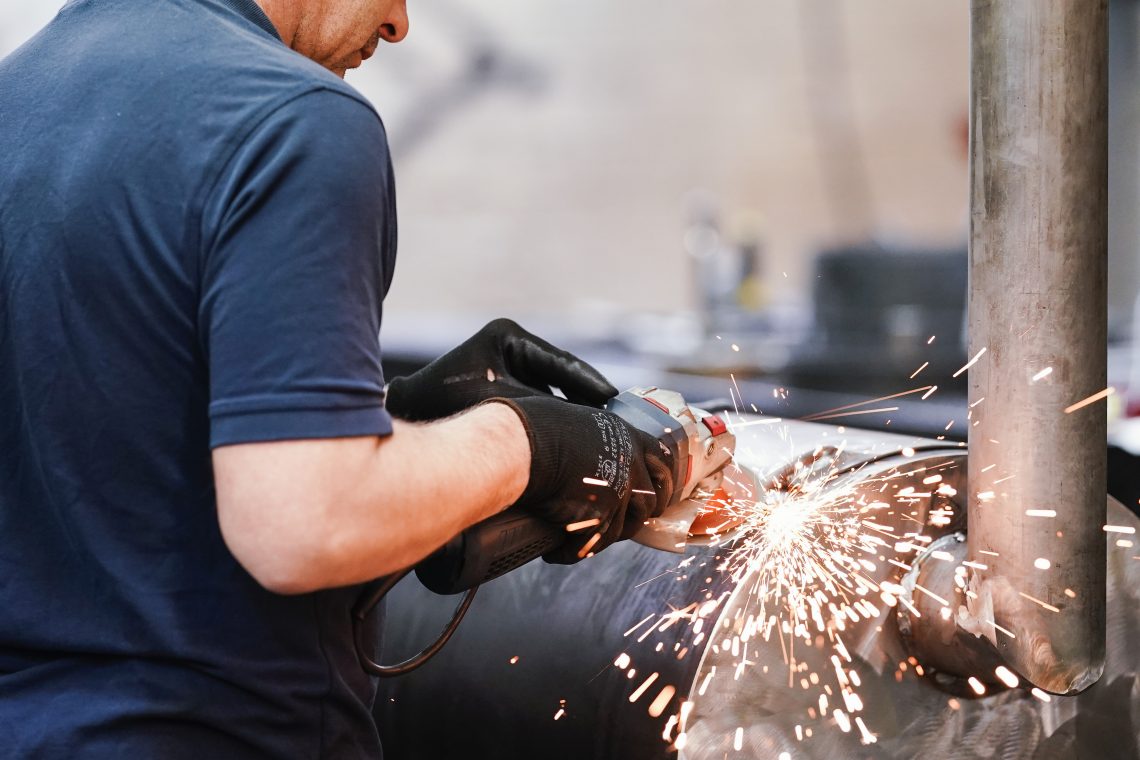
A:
{"points": [[335, 512]]}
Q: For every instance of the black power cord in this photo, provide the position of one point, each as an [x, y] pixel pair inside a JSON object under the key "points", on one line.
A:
{"points": [[367, 602]]}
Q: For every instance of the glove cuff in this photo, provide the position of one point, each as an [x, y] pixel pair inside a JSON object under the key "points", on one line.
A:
{"points": [[542, 432]]}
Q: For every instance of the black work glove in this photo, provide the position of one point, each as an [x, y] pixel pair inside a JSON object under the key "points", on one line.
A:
{"points": [[588, 464], [500, 361]]}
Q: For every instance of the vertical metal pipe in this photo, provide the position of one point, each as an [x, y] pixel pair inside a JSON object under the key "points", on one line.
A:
{"points": [[1038, 177]]}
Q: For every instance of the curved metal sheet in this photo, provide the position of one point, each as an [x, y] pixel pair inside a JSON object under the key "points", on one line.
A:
{"points": [[565, 625]]}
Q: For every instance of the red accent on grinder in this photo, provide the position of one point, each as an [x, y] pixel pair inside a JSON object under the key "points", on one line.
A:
{"points": [[715, 424]]}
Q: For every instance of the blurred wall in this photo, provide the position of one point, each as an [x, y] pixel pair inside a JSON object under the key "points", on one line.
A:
{"points": [[543, 150], [562, 184]]}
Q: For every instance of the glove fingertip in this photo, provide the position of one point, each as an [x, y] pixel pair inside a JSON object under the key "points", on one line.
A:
{"points": [[597, 383]]}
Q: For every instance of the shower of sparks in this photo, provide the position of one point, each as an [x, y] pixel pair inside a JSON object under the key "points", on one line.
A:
{"points": [[804, 564], [804, 556], [1090, 400]]}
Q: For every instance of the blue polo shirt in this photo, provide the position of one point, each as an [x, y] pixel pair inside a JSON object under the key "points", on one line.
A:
{"points": [[197, 229]]}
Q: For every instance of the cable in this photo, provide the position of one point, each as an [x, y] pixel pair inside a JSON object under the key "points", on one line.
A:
{"points": [[368, 600]]}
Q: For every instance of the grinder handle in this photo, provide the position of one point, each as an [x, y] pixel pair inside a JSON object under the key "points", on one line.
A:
{"points": [[487, 550]]}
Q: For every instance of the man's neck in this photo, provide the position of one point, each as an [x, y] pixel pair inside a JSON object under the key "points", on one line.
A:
{"points": [[285, 15]]}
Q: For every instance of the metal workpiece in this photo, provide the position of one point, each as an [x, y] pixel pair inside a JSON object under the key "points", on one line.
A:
{"points": [[1037, 323], [640, 654]]}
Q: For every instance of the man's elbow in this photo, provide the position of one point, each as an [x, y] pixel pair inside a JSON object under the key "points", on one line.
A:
{"points": [[301, 556], [278, 560], [285, 578]]}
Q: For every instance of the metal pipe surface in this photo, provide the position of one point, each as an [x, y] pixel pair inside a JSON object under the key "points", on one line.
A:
{"points": [[1038, 232]]}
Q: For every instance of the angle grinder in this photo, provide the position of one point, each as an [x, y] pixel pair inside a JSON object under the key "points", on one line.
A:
{"points": [[701, 447]]}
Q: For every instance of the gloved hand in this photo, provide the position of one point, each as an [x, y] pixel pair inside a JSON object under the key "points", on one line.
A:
{"points": [[501, 360], [588, 464]]}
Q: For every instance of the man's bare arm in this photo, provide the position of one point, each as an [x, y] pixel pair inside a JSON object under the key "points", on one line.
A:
{"points": [[313, 514]]}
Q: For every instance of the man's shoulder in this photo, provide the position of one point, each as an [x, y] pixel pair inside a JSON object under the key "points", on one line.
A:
{"points": [[189, 58], [170, 83]]}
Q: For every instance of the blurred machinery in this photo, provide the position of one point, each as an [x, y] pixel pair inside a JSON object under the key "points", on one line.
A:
{"points": [[876, 310]]}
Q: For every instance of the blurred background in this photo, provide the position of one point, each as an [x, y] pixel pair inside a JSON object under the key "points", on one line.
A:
{"points": [[694, 193]]}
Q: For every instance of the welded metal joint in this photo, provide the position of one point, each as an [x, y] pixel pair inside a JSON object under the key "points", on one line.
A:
{"points": [[936, 625]]}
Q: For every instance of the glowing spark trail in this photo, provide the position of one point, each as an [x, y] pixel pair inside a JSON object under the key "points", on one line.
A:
{"points": [[1090, 400], [572, 527], [819, 415], [636, 695], [1035, 600], [970, 363], [853, 413]]}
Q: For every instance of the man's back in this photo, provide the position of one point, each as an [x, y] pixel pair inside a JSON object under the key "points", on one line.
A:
{"points": [[141, 145]]}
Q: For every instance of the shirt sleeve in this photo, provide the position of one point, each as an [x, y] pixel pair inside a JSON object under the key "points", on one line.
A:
{"points": [[298, 241]]}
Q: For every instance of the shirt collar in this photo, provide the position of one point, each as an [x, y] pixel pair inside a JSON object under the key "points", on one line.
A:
{"points": [[251, 11]]}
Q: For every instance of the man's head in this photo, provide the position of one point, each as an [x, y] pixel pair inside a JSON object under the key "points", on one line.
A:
{"points": [[337, 34]]}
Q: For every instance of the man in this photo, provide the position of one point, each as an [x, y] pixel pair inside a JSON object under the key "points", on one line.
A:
{"points": [[197, 228]]}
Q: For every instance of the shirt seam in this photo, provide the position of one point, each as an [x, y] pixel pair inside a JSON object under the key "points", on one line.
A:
{"points": [[271, 405]]}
